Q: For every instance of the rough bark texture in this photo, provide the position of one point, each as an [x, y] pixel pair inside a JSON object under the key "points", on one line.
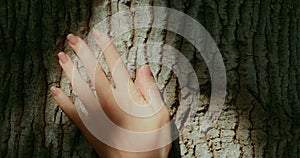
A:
{"points": [[259, 41]]}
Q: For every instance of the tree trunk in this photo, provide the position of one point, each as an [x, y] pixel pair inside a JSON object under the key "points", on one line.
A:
{"points": [[259, 42]]}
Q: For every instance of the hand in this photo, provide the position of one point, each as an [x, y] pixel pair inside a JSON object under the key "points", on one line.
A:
{"points": [[124, 103]]}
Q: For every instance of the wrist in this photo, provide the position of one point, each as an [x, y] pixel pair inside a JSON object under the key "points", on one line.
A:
{"points": [[158, 153]]}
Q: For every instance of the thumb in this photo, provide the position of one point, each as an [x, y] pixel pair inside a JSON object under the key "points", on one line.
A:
{"points": [[147, 84]]}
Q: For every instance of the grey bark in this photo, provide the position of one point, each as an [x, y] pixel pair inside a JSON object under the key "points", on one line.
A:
{"points": [[259, 41]]}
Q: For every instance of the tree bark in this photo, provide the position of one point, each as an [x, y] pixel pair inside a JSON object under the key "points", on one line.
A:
{"points": [[259, 41]]}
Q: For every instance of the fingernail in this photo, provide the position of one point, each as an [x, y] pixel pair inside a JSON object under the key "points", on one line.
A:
{"points": [[72, 39], [63, 57], [54, 91], [146, 71]]}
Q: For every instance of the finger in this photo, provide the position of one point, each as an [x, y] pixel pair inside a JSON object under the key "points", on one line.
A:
{"points": [[150, 92], [109, 50], [119, 73], [147, 84], [93, 68], [74, 76], [83, 91], [66, 105], [80, 87]]}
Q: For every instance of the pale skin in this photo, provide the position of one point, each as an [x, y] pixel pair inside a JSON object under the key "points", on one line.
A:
{"points": [[139, 92]]}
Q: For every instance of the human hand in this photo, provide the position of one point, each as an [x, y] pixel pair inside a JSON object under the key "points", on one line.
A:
{"points": [[136, 109]]}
